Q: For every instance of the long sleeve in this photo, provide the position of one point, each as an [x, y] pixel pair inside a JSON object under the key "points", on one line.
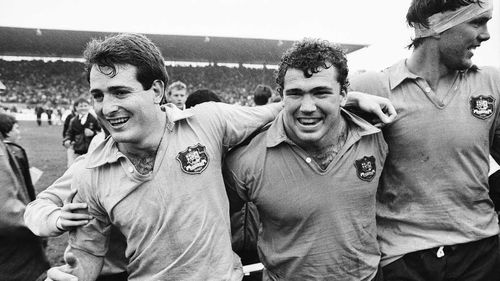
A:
{"points": [[66, 124], [41, 214], [72, 129]]}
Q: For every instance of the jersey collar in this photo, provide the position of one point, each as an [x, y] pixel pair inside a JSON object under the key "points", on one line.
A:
{"points": [[276, 132], [108, 152]]}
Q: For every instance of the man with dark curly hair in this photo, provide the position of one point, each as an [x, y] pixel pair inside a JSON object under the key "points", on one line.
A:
{"points": [[435, 219], [313, 175]]}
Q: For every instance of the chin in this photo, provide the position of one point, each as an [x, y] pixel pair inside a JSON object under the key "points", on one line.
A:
{"points": [[308, 137], [119, 137]]}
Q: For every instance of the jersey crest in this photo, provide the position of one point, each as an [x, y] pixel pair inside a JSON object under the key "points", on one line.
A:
{"points": [[193, 160], [482, 106], [365, 168]]}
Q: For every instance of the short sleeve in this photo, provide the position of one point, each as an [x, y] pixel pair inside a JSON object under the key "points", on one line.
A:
{"points": [[235, 123], [373, 83]]}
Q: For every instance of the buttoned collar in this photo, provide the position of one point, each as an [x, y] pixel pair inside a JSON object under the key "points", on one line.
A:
{"points": [[276, 133], [398, 73], [108, 152]]}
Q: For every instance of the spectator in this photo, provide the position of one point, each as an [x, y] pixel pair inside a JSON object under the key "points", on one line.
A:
{"points": [[39, 111], [70, 153], [262, 94], [82, 128], [22, 256], [49, 110], [177, 94], [201, 96]]}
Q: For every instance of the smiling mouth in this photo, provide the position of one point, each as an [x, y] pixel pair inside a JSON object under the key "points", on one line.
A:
{"points": [[472, 49], [115, 122], [308, 121]]}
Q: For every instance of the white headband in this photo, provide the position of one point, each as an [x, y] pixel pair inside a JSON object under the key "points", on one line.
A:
{"points": [[443, 21]]}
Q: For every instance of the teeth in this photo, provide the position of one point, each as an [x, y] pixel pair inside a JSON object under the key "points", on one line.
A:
{"points": [[308, 121], [118, 121]]}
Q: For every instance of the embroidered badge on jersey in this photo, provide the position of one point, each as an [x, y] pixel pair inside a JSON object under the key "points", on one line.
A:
{"points": [[365, 168], [194, 160], [482, 106]]}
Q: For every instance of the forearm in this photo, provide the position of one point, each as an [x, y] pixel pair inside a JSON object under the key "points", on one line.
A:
{"points": [[353, 98], [41, 216], [274, 109]]}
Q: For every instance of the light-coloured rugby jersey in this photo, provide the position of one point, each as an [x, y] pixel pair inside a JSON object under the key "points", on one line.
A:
{"points": [[434, 187], [175, 219], [41, 215], [316, 224]]}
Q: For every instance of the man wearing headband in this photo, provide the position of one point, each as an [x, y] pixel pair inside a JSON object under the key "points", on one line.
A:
{"points": [[434, 216]]}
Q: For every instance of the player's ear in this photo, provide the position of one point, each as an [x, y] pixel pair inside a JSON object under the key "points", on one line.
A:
{"points": [[343, 97], [159, 90]]}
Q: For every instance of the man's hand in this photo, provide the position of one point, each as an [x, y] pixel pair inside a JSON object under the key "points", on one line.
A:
{"points": [[72, 214], [63, 272], [381, 107], [88, 132]]}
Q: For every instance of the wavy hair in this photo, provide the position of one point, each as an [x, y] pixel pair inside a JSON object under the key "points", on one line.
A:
{"points": [[310, 56]]}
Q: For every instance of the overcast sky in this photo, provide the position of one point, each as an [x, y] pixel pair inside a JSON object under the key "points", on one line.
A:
{"points": [[377, 23]]}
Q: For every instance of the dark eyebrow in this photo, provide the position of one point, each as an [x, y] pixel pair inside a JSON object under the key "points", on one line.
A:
{"points": [[116, 88], [481, 19], [95, 91], [293, 91], [319, 89], [112, 89]]}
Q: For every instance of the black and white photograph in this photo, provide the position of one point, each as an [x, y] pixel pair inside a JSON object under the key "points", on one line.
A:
{"points": [[236, 140]]}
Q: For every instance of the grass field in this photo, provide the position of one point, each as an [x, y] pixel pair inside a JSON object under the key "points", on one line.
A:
{"points": [[45, 151]]}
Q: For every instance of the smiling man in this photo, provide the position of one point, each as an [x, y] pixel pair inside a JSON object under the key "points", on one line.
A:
{"points": [[158, 177], [313, 175], [434, 216]]}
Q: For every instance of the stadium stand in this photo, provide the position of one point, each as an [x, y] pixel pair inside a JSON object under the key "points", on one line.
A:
{"points": [[57, 83], [60, 82]]}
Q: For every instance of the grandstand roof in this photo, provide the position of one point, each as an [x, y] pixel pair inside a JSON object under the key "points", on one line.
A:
{"points": [[70, 44]]}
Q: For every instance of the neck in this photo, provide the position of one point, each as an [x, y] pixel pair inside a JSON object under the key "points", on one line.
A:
{"points": [[425, 62], [143, 154], [147, 146], [324, 153]]}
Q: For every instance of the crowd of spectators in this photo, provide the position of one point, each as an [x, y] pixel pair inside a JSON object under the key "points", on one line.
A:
{"points": [[59, 83]]}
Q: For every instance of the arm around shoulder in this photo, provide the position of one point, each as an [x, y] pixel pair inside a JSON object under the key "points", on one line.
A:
{"points": [[239, 122]]}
